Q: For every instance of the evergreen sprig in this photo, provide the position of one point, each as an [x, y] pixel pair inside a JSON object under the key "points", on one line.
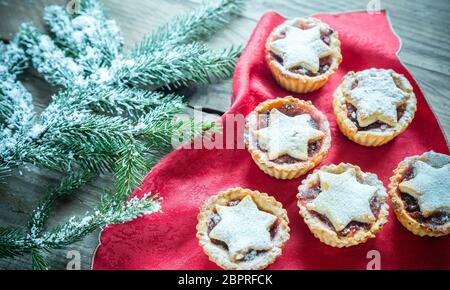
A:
{"points": [[191, 27], [130, 167], [112, 210], [49, 60], [13, 242], [89, 37], [179, 66], [113, 112], [42, 210]]}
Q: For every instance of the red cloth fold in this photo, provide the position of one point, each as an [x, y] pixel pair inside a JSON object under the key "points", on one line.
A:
{"points": [[186, 178]]}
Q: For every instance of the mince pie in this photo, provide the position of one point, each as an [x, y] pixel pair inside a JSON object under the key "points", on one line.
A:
{"points": [[241, 229], [303, 53], [286, 137], [373, 106], [420, 193], [342, 205]]}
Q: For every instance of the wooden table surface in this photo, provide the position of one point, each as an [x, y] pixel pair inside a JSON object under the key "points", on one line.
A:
{"points": [[422, 25]]}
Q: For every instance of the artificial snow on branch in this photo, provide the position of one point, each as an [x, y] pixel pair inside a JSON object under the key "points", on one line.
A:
{"points": [[191, 27], [178, 66], [113, 111]]}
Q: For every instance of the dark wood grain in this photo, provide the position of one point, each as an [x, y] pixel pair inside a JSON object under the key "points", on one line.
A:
{"points": [[423, 27]]}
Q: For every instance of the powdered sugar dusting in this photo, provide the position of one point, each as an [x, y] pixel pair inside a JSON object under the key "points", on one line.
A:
{"points": [[376, 96], [430, 187], [343, 199], [301, 48], [243, 228]]}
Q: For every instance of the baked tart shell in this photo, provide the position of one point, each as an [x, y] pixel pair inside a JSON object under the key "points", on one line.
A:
{"points": [[265, 203], [402, 214], [370, 138], [327, 235], [286, 171], [295, 82]]}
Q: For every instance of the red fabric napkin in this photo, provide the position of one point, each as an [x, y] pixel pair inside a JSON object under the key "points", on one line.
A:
{"points": [[186, 178]]}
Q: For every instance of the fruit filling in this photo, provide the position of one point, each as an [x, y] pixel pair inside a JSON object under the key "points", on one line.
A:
{"points": [[324, 65], [352, 111]]}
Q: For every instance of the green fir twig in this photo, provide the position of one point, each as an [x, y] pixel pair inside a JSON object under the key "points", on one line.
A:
{"points": [[111, 113]]}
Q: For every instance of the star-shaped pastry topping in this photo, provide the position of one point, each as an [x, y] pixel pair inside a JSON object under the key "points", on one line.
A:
{"points": [[288, 135], [430, 186], [343, 199], [301, 48], [376, 97], [243, 228]]}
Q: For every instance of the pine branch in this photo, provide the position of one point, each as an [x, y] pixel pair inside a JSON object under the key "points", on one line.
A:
{"points": [[120, 100], [109, 213], [160, 126], [164, 132], [59, 23], [13, 243], [102, 120], [6, 109], [94, 131], [12, 58], [220, 63], [180, 66], [67, 135], [130, 168], [100, 33], [92, 39], [133, 102], [48, 59], [41, 212], [91, 141], [16, 108], [113, 210], [191, 27]]}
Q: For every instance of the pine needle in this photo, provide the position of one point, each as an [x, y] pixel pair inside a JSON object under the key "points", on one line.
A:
{"points": [[179, 66], [38, 262]]}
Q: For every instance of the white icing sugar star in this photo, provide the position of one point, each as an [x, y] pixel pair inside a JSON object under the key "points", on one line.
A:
{"points": [[343, 199], [376, 97], [430, 186], [288, 135], [243, 228], [301, 47]]}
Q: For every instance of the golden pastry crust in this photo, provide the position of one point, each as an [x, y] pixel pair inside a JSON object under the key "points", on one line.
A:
{"points": [[302, 83], [293, 170], [324, 232], [371, 137], [219, 254], [410, 223]]}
